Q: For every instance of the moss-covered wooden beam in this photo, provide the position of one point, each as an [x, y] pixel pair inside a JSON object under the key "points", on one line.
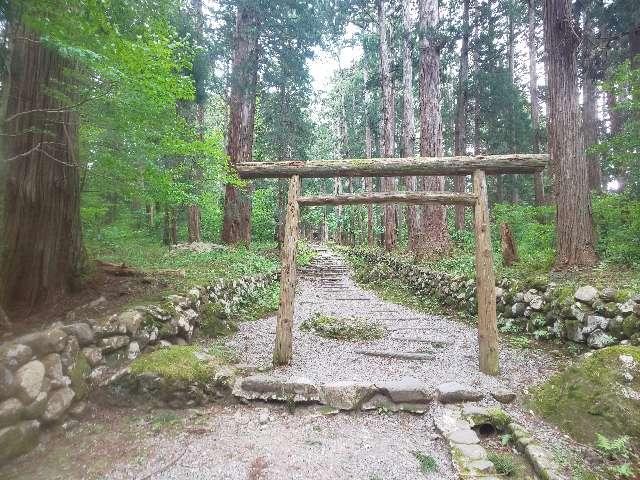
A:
{"points": [[413, 198], [396, 167]]}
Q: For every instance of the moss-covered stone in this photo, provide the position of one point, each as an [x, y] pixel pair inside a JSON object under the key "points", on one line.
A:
{"points": [[215, 322], [79, 375], [592, 396], [631, 325], [343, 329], [178, 363]]}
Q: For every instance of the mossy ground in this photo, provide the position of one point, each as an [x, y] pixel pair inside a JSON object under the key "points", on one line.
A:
{"points": [[593, 397], [343, 328], [180, 363]]}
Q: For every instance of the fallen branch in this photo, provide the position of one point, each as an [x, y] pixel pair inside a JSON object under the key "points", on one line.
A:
{"points": [[166, 466], [123, 270]]}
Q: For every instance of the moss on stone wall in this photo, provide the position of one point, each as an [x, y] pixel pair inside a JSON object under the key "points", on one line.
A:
{"points": [[177, 363]]}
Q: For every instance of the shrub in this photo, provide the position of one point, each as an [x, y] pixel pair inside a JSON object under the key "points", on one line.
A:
{"points": [[503, 462]]}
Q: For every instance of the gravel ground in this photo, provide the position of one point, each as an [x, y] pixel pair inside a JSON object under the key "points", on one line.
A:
{"points": [[262, 441]]}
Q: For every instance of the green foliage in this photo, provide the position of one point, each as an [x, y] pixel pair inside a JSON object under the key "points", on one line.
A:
{"points": [[428, 464], [261, 303], [617, 448], [342, 329], [503, 462]]}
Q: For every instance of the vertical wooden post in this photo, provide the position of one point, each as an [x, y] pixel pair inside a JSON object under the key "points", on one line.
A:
{"points": [[485, 279], [282, 350]]}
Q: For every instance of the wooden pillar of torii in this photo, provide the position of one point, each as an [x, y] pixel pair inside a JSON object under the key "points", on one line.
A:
{"points": [[478, 166]]}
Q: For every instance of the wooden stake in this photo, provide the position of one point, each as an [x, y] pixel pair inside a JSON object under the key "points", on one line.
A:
{"points": [[283, 348], [485, 279]]}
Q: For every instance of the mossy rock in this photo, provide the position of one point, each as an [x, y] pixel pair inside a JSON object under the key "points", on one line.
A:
{"points": [[179, 363], [214, 321], [592, 397], [79, 374], [343, 329], [631, 325]]}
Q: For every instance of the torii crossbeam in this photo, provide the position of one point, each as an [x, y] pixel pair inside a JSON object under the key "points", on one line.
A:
{"points": [[478, 166]]}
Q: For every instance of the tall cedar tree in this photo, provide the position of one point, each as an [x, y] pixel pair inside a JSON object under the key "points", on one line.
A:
{"points": [[433, 218], [460, 129], [387, 127], [43, 252], [574, 223], [533, 94], [236, 227], [368, 153], [200, 63], [408, 124]]}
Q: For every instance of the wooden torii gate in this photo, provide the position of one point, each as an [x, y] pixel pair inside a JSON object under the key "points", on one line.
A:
{"points": [[478, 166]]}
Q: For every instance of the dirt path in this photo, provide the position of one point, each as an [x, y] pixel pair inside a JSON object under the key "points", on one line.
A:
{"points": [[267, 441]]}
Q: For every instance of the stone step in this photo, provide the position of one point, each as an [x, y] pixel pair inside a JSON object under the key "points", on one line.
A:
{"points": [[406, 394], [395, 354]]}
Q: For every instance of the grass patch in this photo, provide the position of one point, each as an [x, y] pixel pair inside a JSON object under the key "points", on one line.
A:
{"points": [[342, 329], [427, 463], [504, 463], [180, 363]]}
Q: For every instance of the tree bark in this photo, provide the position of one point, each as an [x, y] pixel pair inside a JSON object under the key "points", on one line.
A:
{"points": [[388, 122], [283, 348], [538, 184], [460, 130], [43, 254], [411, 198], [193, 211], [408, 123], [433, 219], [337, 190], [590, 104], [575, 235], [368, 147], [508, 244], [236, 227], [395, 167]]}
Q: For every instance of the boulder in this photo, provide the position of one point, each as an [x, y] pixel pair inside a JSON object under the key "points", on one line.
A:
{"points": [[42, 343], [264, 387], [53, 366], [518, 309], [129, 322], [608, 294], [600, 339], [18, 439], [627, 307], [578, 311], [59, 402], [82, 331], [69, 352], [407, 390], [14, 355], [464, 437], [503, 395], [454, 392], [7, 383], [345, 395], [36, 408], [586, 294], [93, 356], [111, 344], [134, 351], [471, 451], [594, 322], [29, 380], [10, 412]]}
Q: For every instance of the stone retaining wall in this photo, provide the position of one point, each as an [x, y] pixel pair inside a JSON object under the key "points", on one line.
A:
{"points": [[597, 318], [45, 375]]}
